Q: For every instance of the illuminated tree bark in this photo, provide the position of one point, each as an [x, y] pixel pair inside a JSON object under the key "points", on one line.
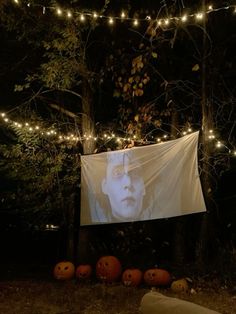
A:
{"points": [[84, 233], [204, 232]]}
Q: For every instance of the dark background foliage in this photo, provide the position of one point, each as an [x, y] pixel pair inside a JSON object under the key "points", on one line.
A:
{"points": [[140, 81]]}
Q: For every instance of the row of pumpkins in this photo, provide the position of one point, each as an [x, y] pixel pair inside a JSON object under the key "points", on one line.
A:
{"points": [[108, 270]]}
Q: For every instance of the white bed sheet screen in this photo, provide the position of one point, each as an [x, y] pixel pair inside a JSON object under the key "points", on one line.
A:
{"points": [[141, 183]]}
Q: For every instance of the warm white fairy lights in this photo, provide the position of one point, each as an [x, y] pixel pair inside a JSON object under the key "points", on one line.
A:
{"points": [[69, 14], [123, 15], [161, 21], [199, 16], [59, 11], [70, 138], [82, 17], [111, 21]]}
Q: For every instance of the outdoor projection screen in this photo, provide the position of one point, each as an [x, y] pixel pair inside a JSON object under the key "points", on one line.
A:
{"points": [[141, 183]]}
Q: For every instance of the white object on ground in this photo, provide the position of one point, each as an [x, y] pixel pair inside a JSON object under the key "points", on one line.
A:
{"points": [[157, 303]]}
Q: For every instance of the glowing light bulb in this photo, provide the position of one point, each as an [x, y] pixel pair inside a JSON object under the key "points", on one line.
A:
{"points": [[159, 22], [199, 16], [184, 18], [184, 133], [59, 11], [122, 15], [210, 7], [69, 14], [82, 18], [166, 22], [111, 21], [135, 22], [16, 1], [189, 130], [95, 15], [3, 114]]}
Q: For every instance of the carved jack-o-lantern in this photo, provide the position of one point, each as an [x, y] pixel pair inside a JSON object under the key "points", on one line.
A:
{"points": [[157, 277], [179, 286], [83, 272], [64, 270], [132, 277], [108, 268]]}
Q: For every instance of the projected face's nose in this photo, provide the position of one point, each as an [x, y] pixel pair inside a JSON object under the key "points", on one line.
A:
{"points": [[127, 181]]}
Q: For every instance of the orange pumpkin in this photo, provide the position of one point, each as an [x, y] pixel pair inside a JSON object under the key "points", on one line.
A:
{"points": [[132, 277], [108, 268], [64, 270], [83, 272], [157, 277]]}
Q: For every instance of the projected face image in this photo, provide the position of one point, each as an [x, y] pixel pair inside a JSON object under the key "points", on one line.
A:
{"points": [[124, 186]]}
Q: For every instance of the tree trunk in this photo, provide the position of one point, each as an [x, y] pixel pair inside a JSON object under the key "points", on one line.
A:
{"points": [[179, 223], [70, 248], [203, 237], [88, 148], [204, 231]]}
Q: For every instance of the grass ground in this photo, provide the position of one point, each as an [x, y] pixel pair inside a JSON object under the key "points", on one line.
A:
{"points": [[47, 296]]}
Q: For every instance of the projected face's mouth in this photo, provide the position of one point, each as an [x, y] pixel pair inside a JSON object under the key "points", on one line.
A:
{"points": [[128, 200]]}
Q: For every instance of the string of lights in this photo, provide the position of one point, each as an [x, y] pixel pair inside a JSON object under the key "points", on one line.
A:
{"points": [[52, 133], [162, 21]]}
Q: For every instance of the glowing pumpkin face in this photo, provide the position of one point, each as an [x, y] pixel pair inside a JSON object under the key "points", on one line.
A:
{"points": [[83, 272], [64, 270], [108, 268], [132, 277], [157, 277], [179, 286]]}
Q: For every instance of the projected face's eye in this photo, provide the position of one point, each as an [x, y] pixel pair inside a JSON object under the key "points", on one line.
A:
{"points": [[118, 171]]}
